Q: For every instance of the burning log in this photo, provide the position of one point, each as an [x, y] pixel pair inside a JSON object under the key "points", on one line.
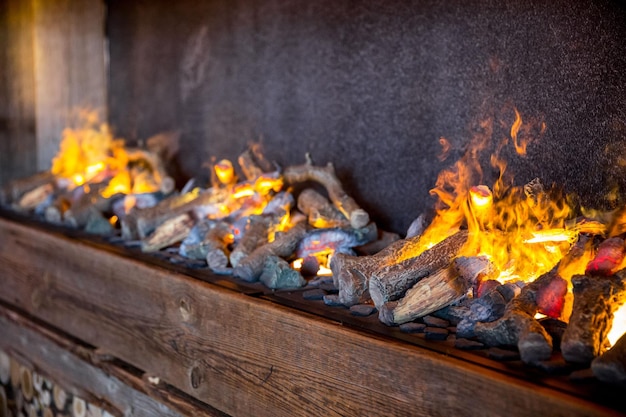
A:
{"points": [[611, 365], [171, 231], [518, 326], [319, 211], [327, 177], [487, 307], [442, 288], [251, 268], [14, 190], [139, 223], [251, 170], [596, 298], [278, 274], [389, 283], [351, 274]]}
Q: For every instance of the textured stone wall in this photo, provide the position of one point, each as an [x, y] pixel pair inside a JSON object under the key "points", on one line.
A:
{"points": [[372, 85]]}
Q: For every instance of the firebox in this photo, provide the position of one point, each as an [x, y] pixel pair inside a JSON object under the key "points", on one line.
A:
{"points": [[394, 143]]}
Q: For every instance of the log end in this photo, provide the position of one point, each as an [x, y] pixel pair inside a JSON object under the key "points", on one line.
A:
{"points": [[377, 292], [359, 218], [535, 347], [608, 370], [385, 313], [577, 351]]}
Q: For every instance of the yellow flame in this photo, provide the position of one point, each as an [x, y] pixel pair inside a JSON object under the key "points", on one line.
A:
{"points": [[523, 235], [520, 147], [619, 325]]}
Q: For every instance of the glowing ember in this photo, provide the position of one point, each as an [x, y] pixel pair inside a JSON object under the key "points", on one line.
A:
{"points": [[619, 325]]}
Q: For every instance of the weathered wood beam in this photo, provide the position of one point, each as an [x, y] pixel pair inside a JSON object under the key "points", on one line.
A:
{"points": [[244, 355], [78, 367]]}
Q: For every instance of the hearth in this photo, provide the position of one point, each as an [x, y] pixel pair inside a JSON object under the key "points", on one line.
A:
{"points": [[495, 129]]}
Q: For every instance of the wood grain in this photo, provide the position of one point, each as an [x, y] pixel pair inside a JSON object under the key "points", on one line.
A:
{"points": [[17, 91], [243, 355], [108, 386], [69, 65]]}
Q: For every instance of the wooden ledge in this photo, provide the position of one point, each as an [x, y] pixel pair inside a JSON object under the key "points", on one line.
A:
{"points": [[244, 355]]}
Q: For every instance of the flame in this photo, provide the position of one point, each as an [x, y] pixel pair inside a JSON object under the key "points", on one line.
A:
{"points": [[523, 232], [619, 325], [520, 147], [90, 153]]}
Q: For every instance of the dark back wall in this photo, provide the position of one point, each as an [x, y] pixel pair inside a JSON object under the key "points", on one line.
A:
{"points": [[372, 86]]}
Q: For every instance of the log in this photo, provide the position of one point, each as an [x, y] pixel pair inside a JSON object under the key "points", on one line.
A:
{"points": [[251, 268], [319, 211], [438, 290], [208, 240], [327, 177], [351, 274], [5, 368], [518, 327], [139, 223], [171, 231], [26, 383], [611, 365], [389, 283], [157, 168], [4, 404], [79, 407], [596, 298], [251, 170], [255, 234], [35, 197], [13, 191], [59, 397]]}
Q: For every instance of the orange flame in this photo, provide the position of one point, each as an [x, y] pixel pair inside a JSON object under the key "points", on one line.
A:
{"points": [[520, 147], [523, 234]]}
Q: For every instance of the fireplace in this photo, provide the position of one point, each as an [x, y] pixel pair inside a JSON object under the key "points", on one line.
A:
{"points": [[376, 88]]}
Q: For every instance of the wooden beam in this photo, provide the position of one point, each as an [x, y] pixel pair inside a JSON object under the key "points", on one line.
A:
{"points": [[244, 355], [82, 371], [17, 91], [69, 65]]}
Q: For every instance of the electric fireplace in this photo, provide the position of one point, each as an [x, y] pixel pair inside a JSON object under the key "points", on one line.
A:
{"points": [[452, 120]]}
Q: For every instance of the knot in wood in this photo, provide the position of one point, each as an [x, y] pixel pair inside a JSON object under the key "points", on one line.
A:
{"points": [[184, 307], [196, 377]]}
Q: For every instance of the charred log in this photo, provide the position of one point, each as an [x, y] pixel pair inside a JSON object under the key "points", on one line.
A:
{"points": [[327, 177], [251, 268], [319, 211], [611, 365], [438, 290], [255, 234], [596, 298], [389, 283], [171, 231]]}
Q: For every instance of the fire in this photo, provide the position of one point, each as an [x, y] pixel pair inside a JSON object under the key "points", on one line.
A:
{"points": [[619, 325], [90, 154], [524, 231]]}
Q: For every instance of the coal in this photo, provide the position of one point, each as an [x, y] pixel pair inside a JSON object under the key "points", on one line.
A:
{"points": [[362, 310], [412, 327], [432, 321], [316, 294], [277, 273], [332, 300], [468, 344], [436, 333]]}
